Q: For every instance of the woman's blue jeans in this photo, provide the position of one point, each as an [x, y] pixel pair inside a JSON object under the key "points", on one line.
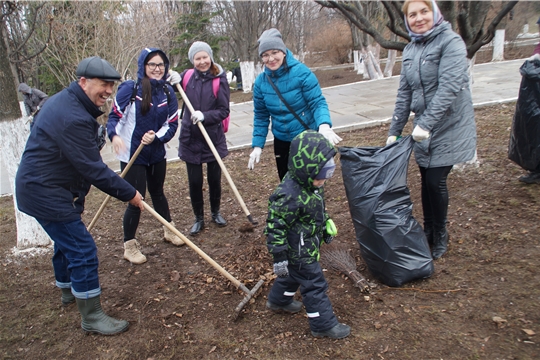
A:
{"points": [[75, 260]]}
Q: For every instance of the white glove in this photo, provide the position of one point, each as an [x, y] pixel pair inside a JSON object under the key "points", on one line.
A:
{"points": [[174, 78], [329, 134], [254, 157], [419, 134], [391, 139], [197, 116]]}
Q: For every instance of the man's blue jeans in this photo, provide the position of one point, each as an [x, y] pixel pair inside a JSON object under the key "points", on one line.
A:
{"points": [[75, 260]]}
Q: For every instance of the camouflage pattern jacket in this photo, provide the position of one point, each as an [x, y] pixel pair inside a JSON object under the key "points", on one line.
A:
{"points": [[296, 214]]}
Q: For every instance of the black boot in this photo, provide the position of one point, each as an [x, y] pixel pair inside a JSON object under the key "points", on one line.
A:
{"points": [[216, 216], [428, 231], [198, 210], [440, 243]]}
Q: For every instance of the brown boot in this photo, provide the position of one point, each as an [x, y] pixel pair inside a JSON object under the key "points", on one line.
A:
{"points": [[171, 236], [132, 252]]}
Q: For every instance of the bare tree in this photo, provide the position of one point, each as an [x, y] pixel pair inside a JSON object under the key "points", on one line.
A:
{"points": [[244, 21], [468, 17]]}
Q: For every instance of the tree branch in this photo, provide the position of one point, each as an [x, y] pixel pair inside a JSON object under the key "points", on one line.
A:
{"points": [[490, 32], [396, 24], [358, 19]]}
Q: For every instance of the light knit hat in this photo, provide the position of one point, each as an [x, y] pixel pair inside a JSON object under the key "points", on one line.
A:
{"points": [[271, 40], [198, 46]]}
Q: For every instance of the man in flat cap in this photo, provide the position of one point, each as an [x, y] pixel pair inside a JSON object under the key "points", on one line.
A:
{"points": [[59, 164]]}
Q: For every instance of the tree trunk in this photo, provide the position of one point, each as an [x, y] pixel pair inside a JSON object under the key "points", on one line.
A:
{"points": [[498, 45], [248, 75], [14, 133], [391, 60]]}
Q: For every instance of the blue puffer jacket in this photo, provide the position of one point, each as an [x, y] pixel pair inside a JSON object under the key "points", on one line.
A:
{"points": [[62, 160], [300, 88], [130, 124]]}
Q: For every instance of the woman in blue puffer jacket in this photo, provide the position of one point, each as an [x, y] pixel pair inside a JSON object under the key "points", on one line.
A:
{"points": [[299, 87], [145, 111]]}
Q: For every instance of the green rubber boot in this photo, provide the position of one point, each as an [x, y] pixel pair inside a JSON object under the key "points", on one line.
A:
{"points": [[94, 320], [67, 297]]}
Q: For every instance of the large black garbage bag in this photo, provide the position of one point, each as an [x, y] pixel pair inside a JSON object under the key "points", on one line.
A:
{"points": [[524, 145], [392, 243]]}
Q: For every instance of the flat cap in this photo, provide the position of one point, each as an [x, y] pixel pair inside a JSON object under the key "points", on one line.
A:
{"points": [[96, 67]]}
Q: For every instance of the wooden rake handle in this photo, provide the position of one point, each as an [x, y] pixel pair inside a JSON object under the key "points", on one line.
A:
{"points": [[201, 253], [124, 172], [216, 155]]}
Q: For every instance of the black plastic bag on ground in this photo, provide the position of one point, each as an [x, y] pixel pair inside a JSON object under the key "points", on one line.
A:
{"points": [[392, 243], [524, 145]]}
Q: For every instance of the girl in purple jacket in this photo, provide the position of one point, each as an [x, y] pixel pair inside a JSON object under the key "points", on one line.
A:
{"points": [[193, 148]]}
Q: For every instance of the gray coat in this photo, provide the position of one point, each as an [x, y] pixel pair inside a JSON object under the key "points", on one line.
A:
{"points": [[32, 98], [435, 86]]}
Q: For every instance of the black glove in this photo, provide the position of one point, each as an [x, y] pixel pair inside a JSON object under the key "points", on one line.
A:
{"points": [[328, 238], [101, 137]]}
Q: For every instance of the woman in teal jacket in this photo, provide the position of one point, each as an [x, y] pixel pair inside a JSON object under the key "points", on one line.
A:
{"points": [[299, 87]]}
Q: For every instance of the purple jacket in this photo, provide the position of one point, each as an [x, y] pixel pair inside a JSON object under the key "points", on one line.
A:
{"points": [[193, 148]]}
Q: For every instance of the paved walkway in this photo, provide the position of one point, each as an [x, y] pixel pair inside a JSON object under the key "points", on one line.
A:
{"points": [[356, 105]]}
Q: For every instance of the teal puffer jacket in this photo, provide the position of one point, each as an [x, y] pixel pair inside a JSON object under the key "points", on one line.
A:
{"points": [[300, 88], [296, 215]]}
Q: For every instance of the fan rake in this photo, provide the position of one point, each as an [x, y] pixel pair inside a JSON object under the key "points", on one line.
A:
{"points": [[340, 259]]}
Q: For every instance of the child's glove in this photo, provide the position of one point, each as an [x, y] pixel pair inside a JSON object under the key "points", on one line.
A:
{"points": [[281, 269], [331, 231]]}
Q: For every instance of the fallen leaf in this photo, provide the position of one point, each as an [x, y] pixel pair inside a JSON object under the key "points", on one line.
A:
{"points": [[499, 321], [175, 275], [529, 332]]}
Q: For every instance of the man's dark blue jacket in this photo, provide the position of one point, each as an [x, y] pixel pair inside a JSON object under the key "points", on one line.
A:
{"points": [[62, 160]]}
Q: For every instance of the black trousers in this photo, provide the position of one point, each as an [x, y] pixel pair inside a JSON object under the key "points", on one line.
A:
{"points": [[281, 152], [435, 196], [141, 176], [195, 179], [313, 287]]}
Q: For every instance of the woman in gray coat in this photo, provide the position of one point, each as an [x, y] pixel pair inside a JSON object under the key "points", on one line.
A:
{"points": [[434, 85]]}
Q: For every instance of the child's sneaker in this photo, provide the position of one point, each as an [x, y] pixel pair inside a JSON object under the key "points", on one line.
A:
{"points": [[339, 331], [292, 308]]}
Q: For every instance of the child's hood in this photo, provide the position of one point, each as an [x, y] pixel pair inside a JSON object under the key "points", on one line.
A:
{"points": [[308, 153]]}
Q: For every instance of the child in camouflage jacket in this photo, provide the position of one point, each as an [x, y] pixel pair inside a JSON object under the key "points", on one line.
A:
{"points": [[297, 223]]}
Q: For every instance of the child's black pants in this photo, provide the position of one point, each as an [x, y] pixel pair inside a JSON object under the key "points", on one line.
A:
{"points": [[313, 286]]}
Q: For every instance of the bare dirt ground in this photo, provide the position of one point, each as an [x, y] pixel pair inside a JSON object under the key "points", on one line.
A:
{"points": [[482, 302]]}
